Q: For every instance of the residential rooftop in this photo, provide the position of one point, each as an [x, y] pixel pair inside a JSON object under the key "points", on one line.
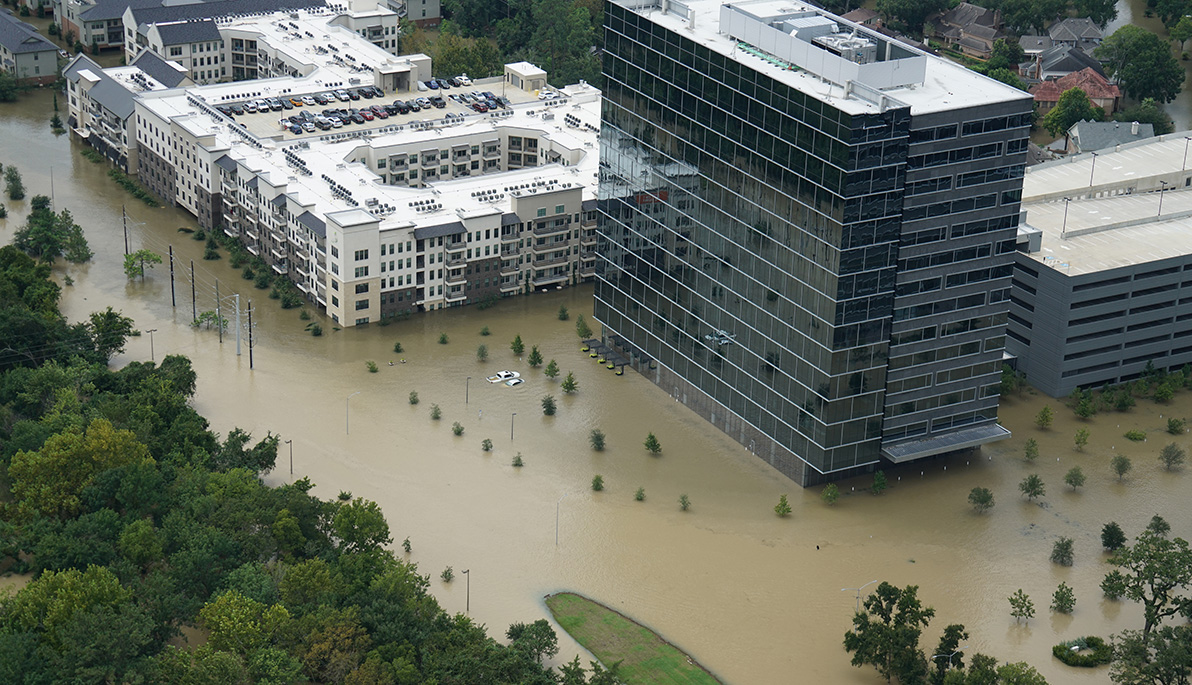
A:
{"points": [[798, 44]]}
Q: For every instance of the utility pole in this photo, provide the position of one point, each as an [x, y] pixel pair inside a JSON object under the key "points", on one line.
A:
{"points": [[194, 309], [173, 297], [237, 324], [152, 356], [250, 335], [218, 312], [124, 220]]}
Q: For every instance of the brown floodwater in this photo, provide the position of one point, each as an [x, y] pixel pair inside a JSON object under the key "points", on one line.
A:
{"points": [[753, 597]]}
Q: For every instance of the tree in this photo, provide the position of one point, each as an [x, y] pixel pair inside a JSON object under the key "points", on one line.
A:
{"points": [[13, 186], [1100, 11], [359, 526], [1064, 599], [551, 370], [1081, 438], [1019, 673], [1175, 426], [981, 499], [1032, 486], [517, 345], [1142, 64], [1045, 417], [1008, 77], [1121, 465], [482, 353], [783, 508], [948, 654], [1061, 552], [1030, 451], [1156, 572], [886, 634], [598, 482], [652, 445], [910, 14], [1074, 477], [830, 494], [596, 439], [684, 502], [108, 330], [1163, 657], [1172, 456], [569, 383], [548, 405], [1112, 536], [239, 624], [1006, 54], [134, 264], [879, 483], [47, 236], [1159, 526], [1182, 30], [581, 328], [1073, 106], [535, 358], [1021, 606], [537, 639], [8, 87]]}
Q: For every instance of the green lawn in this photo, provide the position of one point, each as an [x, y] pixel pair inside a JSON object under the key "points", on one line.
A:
{"points": [[645, 657]]}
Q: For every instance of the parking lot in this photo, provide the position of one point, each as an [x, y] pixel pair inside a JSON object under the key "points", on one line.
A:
{"points": [[266, 124]]}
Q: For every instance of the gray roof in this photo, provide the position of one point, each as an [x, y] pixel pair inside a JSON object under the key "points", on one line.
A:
{"points": [[20, 37], [1075, 29], [1099, 135], [169, 74], [226, 163], [279, 201], [1068, 59], [109, 93], [157, 13], [588, 205], [252, 182], [183, 32], [453, 228], [1036, 43], [104, 10], [509, 218], [314, 223]]}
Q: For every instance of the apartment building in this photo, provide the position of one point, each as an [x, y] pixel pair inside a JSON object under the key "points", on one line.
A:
{"points": [[1102, 283], [806, 230], [25, 54]]}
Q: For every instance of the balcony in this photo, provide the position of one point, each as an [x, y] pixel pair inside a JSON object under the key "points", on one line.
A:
{"points": [[510, 267], [510, 251], [549, 261], [509, 237], [587, 240], [587, 254], [251, 232], [511, 287], [548, 280], [253, 249], [456, 295], [455, 261], [279, 253], [456, 246], [456, 277], [281, 268], [587, 271], [548, 247]]}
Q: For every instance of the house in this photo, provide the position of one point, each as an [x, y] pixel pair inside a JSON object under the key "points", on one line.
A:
{"points": [[971, 28], [1077, 32], [1088, 136], [864, 17], [25, 54], [1101, 92], [1061, 60]]}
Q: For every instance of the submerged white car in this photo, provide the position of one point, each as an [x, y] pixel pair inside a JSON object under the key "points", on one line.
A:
{"points": [[503, 376], [514, 382]]}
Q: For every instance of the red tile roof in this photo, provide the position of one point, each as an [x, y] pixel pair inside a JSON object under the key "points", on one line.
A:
{"points": [[1093, 84]]}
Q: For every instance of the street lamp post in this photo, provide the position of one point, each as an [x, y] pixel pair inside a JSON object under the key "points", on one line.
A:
{"points": [[1184, 164], [1161, 189], [467, 382], [557, 518], [347, 416], [511, 426], [958, 651], [291, 444], [152, 356], [1064, 228], [468, 596], [1092, 169], [858, 591]]}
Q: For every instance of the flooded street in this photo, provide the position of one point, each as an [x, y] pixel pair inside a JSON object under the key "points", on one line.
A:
{"points": [[1134, 12], [747, 594]]}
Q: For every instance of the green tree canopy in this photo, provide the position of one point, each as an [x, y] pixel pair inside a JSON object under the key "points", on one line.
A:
{"points": [[1142, 63], [1148, 112], [910, 14], [886, 634], [47, 236], [1158, 573]]}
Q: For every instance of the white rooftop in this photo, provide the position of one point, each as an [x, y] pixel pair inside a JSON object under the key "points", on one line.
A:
{"points": [[924, 82]]}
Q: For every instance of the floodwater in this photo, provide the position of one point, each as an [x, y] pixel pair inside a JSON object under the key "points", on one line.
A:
{"points": [[755, 598], [1134, 12]]}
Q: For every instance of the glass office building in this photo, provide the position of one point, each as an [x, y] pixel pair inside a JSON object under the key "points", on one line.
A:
{"points": [[805, 230]]}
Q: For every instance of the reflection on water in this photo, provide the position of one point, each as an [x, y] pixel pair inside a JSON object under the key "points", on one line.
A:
{"points": [[1134, 12], [750, 595]]}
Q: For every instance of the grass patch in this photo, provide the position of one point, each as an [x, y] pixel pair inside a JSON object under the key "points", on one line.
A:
{"points": [[645, 657]]}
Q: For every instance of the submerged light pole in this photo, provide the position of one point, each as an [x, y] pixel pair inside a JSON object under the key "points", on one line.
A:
{"points": [[511, 426], [958, 651], [858, 590], [467, 381], [468, 596], [291, 444]]}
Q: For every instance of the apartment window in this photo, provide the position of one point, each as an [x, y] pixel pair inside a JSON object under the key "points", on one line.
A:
{"points": [[175, 52], [542, 211], [361, 255], [560, 209], [334, 251], [361, 271], [334, 301], [361, 322], [361, 304], [361, 288]]}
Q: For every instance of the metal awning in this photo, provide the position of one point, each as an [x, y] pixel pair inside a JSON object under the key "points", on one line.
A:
{"points": [[454, 228], [83, 132], [975, 436], [226, 163]]}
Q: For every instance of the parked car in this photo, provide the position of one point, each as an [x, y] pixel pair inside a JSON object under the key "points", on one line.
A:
{"points": [[444, 84], [336, 122], [353, 95], [401, 107], [224, 110], [432, 84], [414, 106], [367, 114], [342, 95], [464, 80], [250, 107], [438, 101], [295, 129], [377, 92], [308, 100], [358, 118], [422, 86], [366, 93], [453, 82], [308, 126], [424, 103], [297, 101], [381, 113], [480, 107], [287, 104]]}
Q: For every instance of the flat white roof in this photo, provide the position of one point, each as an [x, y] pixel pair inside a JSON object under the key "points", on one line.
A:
{"points": [[945, 85]]}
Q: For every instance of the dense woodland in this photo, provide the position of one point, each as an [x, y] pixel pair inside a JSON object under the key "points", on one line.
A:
{"points": [[135, 520]]}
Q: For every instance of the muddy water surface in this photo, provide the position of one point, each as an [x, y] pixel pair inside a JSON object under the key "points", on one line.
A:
{"points": [[755, 598]]}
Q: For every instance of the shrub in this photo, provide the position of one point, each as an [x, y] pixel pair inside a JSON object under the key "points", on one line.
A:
{"points": [[1081, 438], [1136, 435], [485, 331], [548, 405], [482, 353], [1112, 536], [879, 482], [1075, 477], [535, 358], [372, 366], [1030, 450], [563, 315], [345, 496], [1061, 552], [517, 460], [447, 575], [316, 330], [598, 483], [435, 412], [684, 502], [640, 495], [1172, 456], [1045, 417], [457, 428], [1114, 585], [1121, 465], [413, 397], [551, 370], [1084, 652], [652, 445], [1064, 600], [517, 345], [783, 508], [596, 439], [1175, 426], [569, 384], [397, 347], [443, 340], [248, 274], [405, 544], [830, 494], [486, 445], [981, 499]]}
